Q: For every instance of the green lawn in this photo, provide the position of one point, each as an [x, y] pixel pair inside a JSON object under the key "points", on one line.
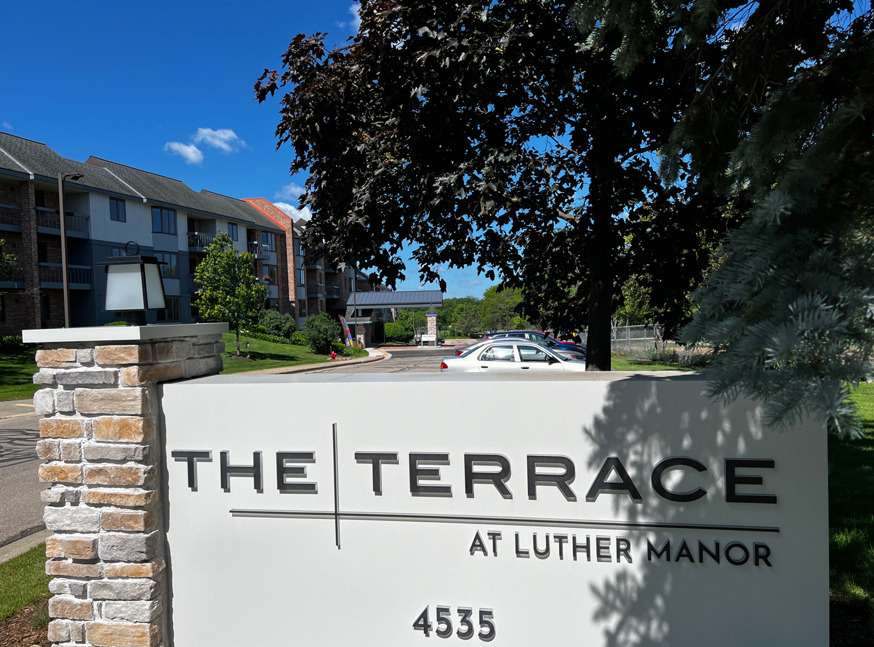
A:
{"points": [[264, 354], [24, 581], [851, 516], [16, 374], [621, 363]]}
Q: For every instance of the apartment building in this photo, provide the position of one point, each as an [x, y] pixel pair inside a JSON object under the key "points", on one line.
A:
{"points": [[111, 209]]}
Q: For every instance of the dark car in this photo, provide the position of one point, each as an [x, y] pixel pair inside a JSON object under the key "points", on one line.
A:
{"points": [[538, 336]]}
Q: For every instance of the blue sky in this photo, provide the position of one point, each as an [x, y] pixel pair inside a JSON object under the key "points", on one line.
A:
{"points": [[168, 87]]}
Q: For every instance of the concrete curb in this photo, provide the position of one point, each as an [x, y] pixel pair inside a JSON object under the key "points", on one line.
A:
{"points": [[21, 546], [375, 355]]}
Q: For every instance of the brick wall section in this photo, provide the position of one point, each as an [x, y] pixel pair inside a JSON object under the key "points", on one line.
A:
{"points": [[101, 455]]}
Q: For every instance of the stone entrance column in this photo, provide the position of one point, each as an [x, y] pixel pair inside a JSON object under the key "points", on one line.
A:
{"points": [[102, 455]]}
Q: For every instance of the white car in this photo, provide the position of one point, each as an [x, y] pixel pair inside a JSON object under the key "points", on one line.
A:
{"points": [[511, 356]]}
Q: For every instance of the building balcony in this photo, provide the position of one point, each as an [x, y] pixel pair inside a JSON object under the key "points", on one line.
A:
{"points": [[315, 293], [313, 266], [258, 250], [79, 277], [48, 221], [13, 279], [198, 241], [10, 218], [332, 292]]}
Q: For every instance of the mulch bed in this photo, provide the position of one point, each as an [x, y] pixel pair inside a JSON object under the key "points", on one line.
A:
{"points": [[18, 629]]}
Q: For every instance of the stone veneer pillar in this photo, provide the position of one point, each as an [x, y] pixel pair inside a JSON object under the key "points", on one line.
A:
{"points": [[102, 456]]}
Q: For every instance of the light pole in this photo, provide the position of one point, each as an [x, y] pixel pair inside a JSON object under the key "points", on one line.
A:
{"points": [[64, 282]]}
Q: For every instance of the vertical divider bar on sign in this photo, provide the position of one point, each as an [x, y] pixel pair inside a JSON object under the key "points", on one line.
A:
{"points": [[336, 492]]}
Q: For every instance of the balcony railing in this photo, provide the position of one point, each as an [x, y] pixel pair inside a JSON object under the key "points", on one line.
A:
{"points": [[51, 220], [10, 215], [76, 275], [332, 292], [259, 250], [198, 240], [14, 275]]}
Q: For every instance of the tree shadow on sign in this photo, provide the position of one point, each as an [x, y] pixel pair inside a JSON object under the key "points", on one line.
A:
{"points": [[684, 597]]}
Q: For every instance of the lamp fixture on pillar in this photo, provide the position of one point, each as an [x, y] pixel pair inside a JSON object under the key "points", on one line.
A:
{"points": [[63, 219], [134, 284]]}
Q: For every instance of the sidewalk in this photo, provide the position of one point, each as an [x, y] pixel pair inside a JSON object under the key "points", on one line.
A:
{"points": [[16, 408], [21, 546], [374, 355]]}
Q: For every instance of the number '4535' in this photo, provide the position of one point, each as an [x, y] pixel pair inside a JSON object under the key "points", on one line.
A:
{"points": [[444, 628]]}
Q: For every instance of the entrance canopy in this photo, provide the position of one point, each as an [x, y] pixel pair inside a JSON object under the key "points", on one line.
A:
{"points": [[409, 299]]}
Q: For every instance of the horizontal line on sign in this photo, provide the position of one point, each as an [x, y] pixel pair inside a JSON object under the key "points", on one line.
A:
{"points": [[512, 521]]}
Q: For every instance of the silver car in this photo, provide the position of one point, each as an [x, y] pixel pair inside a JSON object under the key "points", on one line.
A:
{"points": [[510, 356]]}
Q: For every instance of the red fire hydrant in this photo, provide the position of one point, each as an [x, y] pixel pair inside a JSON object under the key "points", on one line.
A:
{"points": [[333, 354]]}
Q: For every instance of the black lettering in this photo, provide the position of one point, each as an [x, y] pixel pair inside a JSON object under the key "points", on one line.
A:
{"points": [[418, 474], [561, 480], [495, 536], [732, 480], [684, 553], [623, 549], [254, 470], [613, 464], [761, 552], [285, 471], [672, 463], [191, 457], [582, 548], [498, 479], [478, 545], [602, 549], [376, 459], [541, 554], [665, 550], [561, 540], [702, 549], [744, 551], [520, 552]]}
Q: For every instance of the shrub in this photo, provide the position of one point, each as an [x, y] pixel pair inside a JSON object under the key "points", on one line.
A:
{"points": [[275, 339], [11, 343], [321, 331], [116, 323], [395, 332], [275, 323], [298, 338]]}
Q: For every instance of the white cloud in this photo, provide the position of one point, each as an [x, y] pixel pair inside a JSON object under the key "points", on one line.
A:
{"points": [[224, 139], [355, 23], [294, 212], [7, 126], [356, 17], [189, 152], [289, 192]]}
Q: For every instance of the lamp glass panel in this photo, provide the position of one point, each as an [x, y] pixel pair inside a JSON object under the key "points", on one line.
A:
{"points": [[154, 286], [124, 288]]}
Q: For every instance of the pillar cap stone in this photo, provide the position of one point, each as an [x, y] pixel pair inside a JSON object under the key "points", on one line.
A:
{"points": [[115, 334]]}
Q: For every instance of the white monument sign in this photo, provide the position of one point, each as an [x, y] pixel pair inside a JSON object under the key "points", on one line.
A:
{"points": [[383, 511]]}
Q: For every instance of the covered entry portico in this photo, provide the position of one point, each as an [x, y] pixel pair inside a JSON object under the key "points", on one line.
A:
{"points": [[361, 306]]}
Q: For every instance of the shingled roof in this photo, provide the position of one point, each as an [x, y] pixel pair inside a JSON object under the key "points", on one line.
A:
{"points": [[29, 159]]}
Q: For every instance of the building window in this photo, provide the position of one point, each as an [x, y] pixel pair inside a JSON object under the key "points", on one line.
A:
{"points": [[298, 250], [45, 310], [163, 221], [117, 210], [116, 251], [39, 197], [269, 239], [42, 252], [170, 269], [270, 275], [301, 277], [171, 312], [2, 308], [232, 230]]}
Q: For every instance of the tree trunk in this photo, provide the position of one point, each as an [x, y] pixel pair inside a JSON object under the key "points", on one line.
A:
{"points": [[600, 270], [238, 339]]}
